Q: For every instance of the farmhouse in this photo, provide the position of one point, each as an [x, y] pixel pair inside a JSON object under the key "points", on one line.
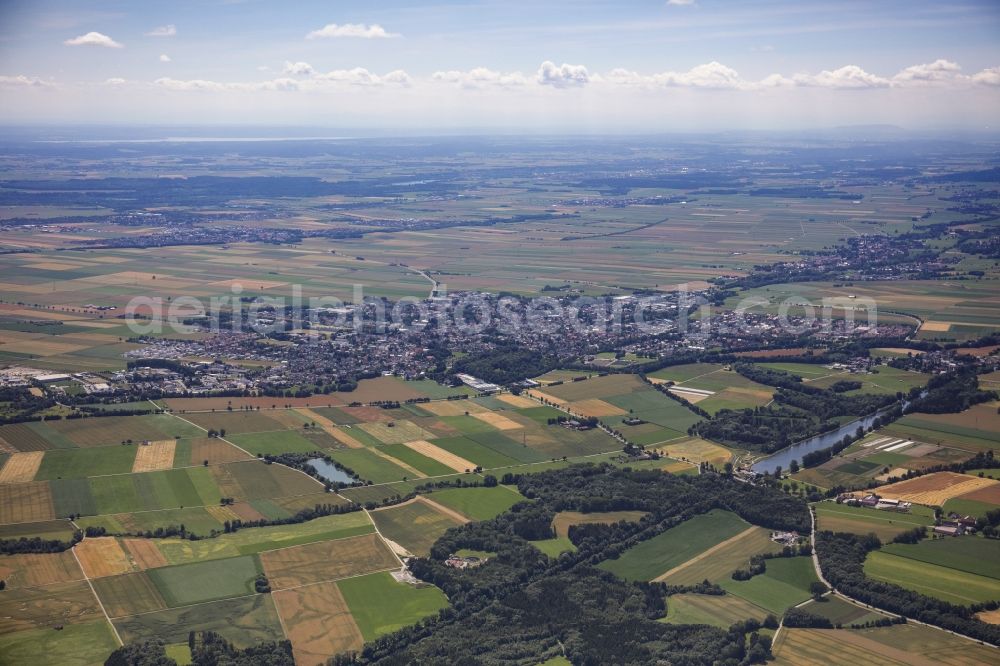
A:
{"points": [[949, 528]]}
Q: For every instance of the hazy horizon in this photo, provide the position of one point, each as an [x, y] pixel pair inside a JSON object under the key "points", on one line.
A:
{"points": [[561, 67]]}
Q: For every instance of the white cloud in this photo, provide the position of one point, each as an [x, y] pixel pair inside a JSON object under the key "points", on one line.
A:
{"points": [[359, 76], [191, 84], [849, 76], [710, 75], [163, 31], [298, 69], [201, 85], [22, 81], [987, 77], [939, 70], [93, 39], [115, 81], [164, 57], [680, 3], [360, 30], [481, 77], [562, 76]]}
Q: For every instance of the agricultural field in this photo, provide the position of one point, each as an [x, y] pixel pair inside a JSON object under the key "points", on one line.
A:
{"points": [[613, 398], [889, 452], [658, 557], [564, 519], [712, 387], [720, 611], [947, 569], [948, 309], [938, 488], [381, 605], [414, 525], [477, 503], [784, 584], [899, 645], [862, 520]]}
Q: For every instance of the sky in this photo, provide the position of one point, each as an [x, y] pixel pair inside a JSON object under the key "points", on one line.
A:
{"points": [[563, 66]]}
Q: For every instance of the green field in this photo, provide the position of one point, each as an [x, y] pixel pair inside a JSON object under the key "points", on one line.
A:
{"points": [[369, 466], [245, 622], [466, 447], [555, 546], [255, 540], [972, 555], [840, 611], [76, 644], [656, 556], [81, 463], [213, 580], [940, 582], [783, 585], [478, 503], [274, 443], [381, 606], [416, 460]]}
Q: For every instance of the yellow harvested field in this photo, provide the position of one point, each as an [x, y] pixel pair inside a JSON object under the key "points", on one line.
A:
{"points": [[561, 523], [839, 647], [936, 326], [990, 617], [452, 407], [498, 421], [935, 489], [247, 283], [40, 347], [435, 452], [154, 456], [144, 553], [594, 407], [308, 414], [327, 560], [395, 432], [32, 570], [26, 502], [698, 451], [318, 622], [547, 397], [21, 467], [54, 265], [102, 556], [516, 401], [215, 451]]}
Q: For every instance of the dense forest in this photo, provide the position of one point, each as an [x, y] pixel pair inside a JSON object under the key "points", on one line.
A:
{"points": [[207, 649], [522, 607], [951, 393], [506, 365]]}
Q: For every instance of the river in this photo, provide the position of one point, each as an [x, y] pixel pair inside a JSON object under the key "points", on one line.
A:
{"points": [[784, 457]]}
